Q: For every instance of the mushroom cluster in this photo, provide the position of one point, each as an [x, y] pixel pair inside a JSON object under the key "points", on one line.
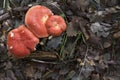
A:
{"points": [[40, 23]]}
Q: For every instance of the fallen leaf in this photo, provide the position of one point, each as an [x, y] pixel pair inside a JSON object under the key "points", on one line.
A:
{"points": [[38, 75], [116, 35], [73, 26], [78, 77], [19, 74], [83, 4], [95, 76], [70, 75], [100, 29], [10, 74], [87, 70], [95, 40], [29, 71], [54, 42], [72, 29], [64, 71], [77, 24], [107, 44]]}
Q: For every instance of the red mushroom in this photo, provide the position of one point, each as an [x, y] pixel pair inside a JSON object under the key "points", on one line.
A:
{"points": [[21, 42], [36, 18], [55, 25]]}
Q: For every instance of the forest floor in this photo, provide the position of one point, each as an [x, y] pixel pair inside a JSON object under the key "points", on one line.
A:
{"points": [[88, 50]]}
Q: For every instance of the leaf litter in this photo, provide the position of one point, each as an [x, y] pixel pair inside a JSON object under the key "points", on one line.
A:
{"points": [[88, 50]]}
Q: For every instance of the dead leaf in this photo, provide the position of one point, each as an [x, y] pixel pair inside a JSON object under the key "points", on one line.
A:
{"points": [[73, 27], [87, 70], [95, 40], [19, 74], [107, 44], [83, 24], [70, 75], [64, 71], [95, 76], [78, 77], [38, 75], [76, 25], [54, 42], [10, 74], [83, 4], [100, 29], [2, 76], [116, 35], [29, 71]]}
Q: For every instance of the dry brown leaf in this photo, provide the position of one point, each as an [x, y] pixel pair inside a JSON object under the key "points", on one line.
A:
{"points": [[73, 27], [116, 35], [83, 4], [29, 71], [95, 40], [76, 25], [71, 31], [107, 44]]}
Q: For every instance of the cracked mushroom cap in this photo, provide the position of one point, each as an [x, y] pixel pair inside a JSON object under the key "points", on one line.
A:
{"points": [[56, 25], [21, 42], [36, 18]]}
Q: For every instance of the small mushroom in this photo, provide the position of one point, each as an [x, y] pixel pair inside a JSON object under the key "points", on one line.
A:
{"points": [[55, 25], [21, 42], [36, 18]]}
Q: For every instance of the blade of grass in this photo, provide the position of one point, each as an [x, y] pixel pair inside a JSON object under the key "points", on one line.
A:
{"points": [[74, 44], [6, 4], [63, 46], [44, 62], [84, 60], [11, 2]]}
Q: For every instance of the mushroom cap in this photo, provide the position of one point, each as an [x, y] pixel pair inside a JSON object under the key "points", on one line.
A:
{"points": [[55, 25], [21, 42], [36, 18]]}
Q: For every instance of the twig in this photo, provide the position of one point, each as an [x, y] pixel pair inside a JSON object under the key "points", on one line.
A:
{"points": [[84, 61], [73, 46], [45, 62]]}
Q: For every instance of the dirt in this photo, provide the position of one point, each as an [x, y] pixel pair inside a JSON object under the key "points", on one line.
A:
{"points": [[88, 50]]}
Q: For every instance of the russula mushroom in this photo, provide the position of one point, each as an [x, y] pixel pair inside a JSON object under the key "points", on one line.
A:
{"points": [[40, 22], [21, 42], [36, 18], [55, 25]]}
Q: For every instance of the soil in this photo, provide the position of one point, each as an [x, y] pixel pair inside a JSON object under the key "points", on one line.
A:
{"points": [[88, 50]]}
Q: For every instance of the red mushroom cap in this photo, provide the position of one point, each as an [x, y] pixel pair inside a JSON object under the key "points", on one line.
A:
{"points": [[36, 18], [21, 42], [55, 25]]}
